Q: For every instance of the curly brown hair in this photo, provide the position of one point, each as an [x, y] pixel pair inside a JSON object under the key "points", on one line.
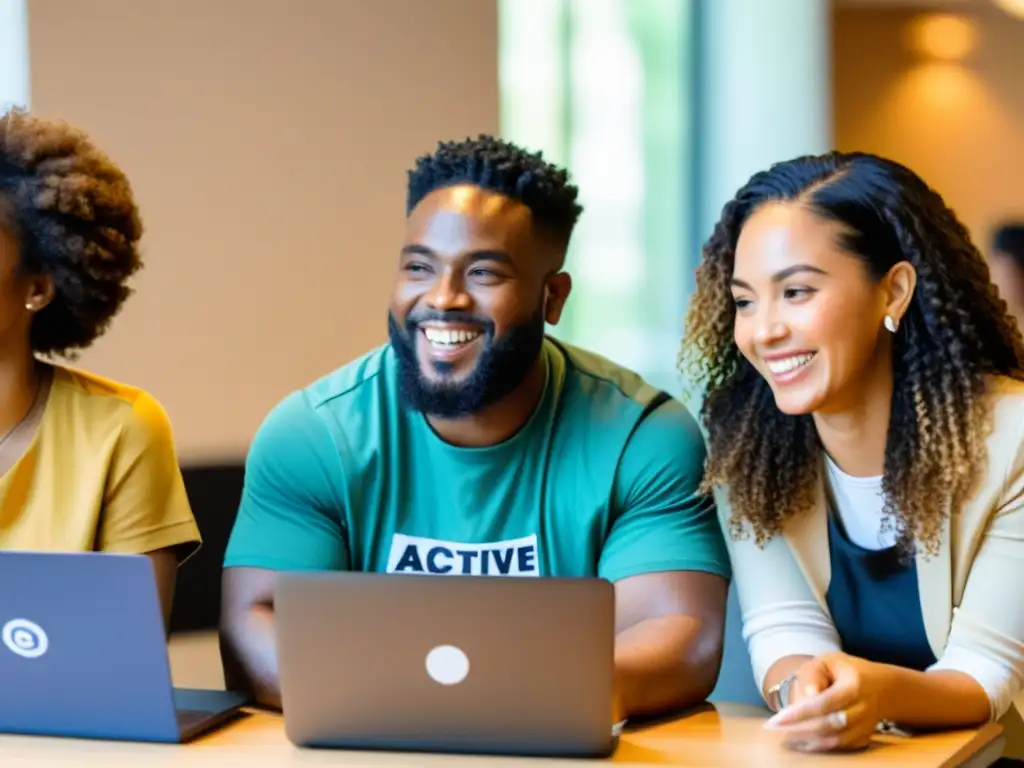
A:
{"points": [[955, 336], [71, 211]]}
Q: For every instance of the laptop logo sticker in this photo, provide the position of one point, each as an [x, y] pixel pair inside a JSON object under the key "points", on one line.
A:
{"points": [[447, 665], [25, 638], [417, 554]]}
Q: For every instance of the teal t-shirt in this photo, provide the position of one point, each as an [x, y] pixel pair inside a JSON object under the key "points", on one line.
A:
{"points": [[601, 481]]}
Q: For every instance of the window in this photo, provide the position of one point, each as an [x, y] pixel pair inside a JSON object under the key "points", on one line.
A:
{"points": [[14, 84], [603, 87]]}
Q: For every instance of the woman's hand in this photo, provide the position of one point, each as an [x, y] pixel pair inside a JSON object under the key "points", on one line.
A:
{"points": [[837, 702]]}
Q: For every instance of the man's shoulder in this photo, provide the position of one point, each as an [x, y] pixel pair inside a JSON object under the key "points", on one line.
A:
{"points": [[602, 383], [353, 381], [606, 393], [333, 409]]}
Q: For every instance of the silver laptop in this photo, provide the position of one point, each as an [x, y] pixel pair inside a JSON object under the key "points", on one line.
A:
{"points": [[83, 653], [451, 664]]}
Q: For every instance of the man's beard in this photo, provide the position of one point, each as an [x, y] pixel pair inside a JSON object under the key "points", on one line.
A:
{"points": [[501, 366]]}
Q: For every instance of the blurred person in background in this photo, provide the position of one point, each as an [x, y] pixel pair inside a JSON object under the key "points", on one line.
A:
{"points": [[85, 463], [864, 405], [1006, 261], [473, 443]]}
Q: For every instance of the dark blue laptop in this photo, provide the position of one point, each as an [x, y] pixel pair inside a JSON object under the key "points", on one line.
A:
{"points": [[83, 653]]}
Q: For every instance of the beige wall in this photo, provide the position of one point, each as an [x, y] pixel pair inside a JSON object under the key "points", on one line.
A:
{"points": [[267, 141], [960, 127]]}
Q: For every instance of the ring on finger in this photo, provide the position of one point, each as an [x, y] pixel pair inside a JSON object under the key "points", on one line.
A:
{"points": [[838, 719]]}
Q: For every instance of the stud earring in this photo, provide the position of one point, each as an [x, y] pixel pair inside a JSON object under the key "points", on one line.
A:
{"points": [[891, 325], [30, 307]]}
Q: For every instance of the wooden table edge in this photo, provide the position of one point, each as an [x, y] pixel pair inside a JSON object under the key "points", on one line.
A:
{"points": [[984, 737]]}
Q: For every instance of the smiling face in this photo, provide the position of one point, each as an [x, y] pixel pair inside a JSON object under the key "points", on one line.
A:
{"points": [[475, 285], [809, 316]]}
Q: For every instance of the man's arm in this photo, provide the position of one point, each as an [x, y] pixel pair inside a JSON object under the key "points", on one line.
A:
{"points": [[666, 555], [248, 642], [668, 647], [290, 519]]}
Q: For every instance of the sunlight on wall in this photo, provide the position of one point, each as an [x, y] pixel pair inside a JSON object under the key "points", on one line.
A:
{"points": [[943, 36], [603, 87], [956, 123]]}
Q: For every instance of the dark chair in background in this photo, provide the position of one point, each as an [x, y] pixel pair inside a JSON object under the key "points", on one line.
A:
{"points": [[214, 492]]}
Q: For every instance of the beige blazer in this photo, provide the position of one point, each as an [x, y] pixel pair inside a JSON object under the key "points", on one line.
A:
{"points": [[971, 593]]}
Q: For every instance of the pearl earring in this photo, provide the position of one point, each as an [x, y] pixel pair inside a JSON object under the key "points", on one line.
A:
{"points": [[891, 325], [30, 307]]}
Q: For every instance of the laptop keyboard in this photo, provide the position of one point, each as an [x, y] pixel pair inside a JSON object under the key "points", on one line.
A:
{"points": [[187, 718]]}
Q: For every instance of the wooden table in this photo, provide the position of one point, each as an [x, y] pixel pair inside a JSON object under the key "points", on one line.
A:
{"points": [[721, 735]]}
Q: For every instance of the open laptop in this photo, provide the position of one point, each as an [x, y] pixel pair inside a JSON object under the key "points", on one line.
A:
{"points": [[452, 664], [83, 653]]}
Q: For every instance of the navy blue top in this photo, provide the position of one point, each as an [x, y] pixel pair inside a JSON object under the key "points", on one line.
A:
{"points": [[875, 604]]}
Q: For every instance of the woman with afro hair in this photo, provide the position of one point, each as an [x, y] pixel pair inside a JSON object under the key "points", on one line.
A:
{"points": [[85, 463], [864, 410]]}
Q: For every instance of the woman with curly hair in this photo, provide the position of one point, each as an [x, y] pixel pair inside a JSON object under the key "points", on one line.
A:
{"points": [[85, 463], [864, 409]]}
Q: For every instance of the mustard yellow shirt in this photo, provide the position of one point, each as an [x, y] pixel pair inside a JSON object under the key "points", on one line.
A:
{"points": [[100, 473]]}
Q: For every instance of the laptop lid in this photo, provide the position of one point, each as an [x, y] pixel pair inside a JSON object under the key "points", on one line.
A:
{"points": [[82, 648], [477, 664]]}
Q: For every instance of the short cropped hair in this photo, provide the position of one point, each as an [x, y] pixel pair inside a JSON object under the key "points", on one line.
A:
{"points": [[505, 168]]}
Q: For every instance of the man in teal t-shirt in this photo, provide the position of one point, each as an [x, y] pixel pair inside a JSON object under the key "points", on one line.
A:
{"points": [[472, 443]]}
